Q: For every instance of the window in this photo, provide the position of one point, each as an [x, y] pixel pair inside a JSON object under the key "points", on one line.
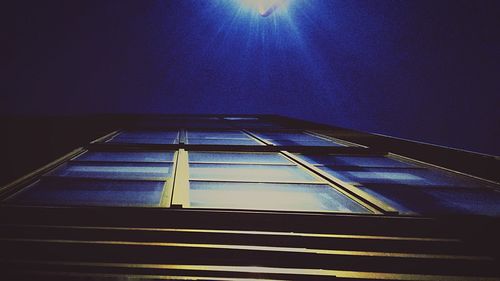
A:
{"points": [[127, 156], [220, 138], [431, 201], [407, 187], [260, 181], [105, 178], [113, 170], [237, 157], [252, 173], [295, 139], [263, 196], [146, 137], [356, 161], [91, 192]]}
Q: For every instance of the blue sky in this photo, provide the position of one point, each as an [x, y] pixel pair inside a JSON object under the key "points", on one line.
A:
{"points": [[424, 70]]}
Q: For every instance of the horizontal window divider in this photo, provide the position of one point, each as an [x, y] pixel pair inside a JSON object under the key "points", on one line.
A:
{"points": [[338, 150], [247, 181], [76, 161], [242, 163]]}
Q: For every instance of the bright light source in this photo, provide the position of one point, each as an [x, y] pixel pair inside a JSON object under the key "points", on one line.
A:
{"points": [[264, 7]]}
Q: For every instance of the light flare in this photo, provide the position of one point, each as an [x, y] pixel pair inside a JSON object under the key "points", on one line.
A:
{"points": [[265, 8]]}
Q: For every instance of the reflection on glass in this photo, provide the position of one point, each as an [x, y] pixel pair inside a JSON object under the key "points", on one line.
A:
{"points": [[217, 135], [163, 156], [146, 137], [265, 196], [421, 177], [299, 139], [428, 201], [237, 157], [262, 173], [114, 170], [224, 141], [91, 192], [359, 161]]}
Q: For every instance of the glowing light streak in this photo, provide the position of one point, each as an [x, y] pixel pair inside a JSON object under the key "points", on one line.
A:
{"points": [[264, 7]]}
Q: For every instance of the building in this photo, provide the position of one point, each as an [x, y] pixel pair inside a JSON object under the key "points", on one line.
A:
{"points": [[215, 197]]}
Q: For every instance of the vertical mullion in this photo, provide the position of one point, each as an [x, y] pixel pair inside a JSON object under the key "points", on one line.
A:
{"points": [[180, 190], [182, 136], [166, 195]]}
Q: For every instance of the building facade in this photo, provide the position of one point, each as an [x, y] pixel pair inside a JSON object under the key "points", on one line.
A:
{"points": [[217, 197]]}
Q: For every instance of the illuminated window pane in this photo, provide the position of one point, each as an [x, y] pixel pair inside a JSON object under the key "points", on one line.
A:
{"points": [[229, 157], [262, 173], [265, 196], [421, 177], [224, 141], [318, 142], [288, 136], [359, 161], [428, 201], [299, 139], [162, 156], [115, 170], [217, 135], [146, 137], [91, 192]]}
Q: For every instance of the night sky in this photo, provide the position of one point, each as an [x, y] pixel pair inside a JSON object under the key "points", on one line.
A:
{"points": [[423, 70]]}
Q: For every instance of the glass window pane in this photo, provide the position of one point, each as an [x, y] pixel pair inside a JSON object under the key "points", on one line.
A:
{"points": [[431, 201], [318, 142], [265, 196], [147, 134], [139, 156], [146, 137], [92, 192], [360, 161], [237, 157], [217, 135], [224, 141], [115, 170], [262, 173], [421, 177], [300, 139], [288, 136]]}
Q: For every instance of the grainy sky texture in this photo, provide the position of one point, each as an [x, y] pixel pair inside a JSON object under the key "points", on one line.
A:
{"points": [[424, 70]]}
